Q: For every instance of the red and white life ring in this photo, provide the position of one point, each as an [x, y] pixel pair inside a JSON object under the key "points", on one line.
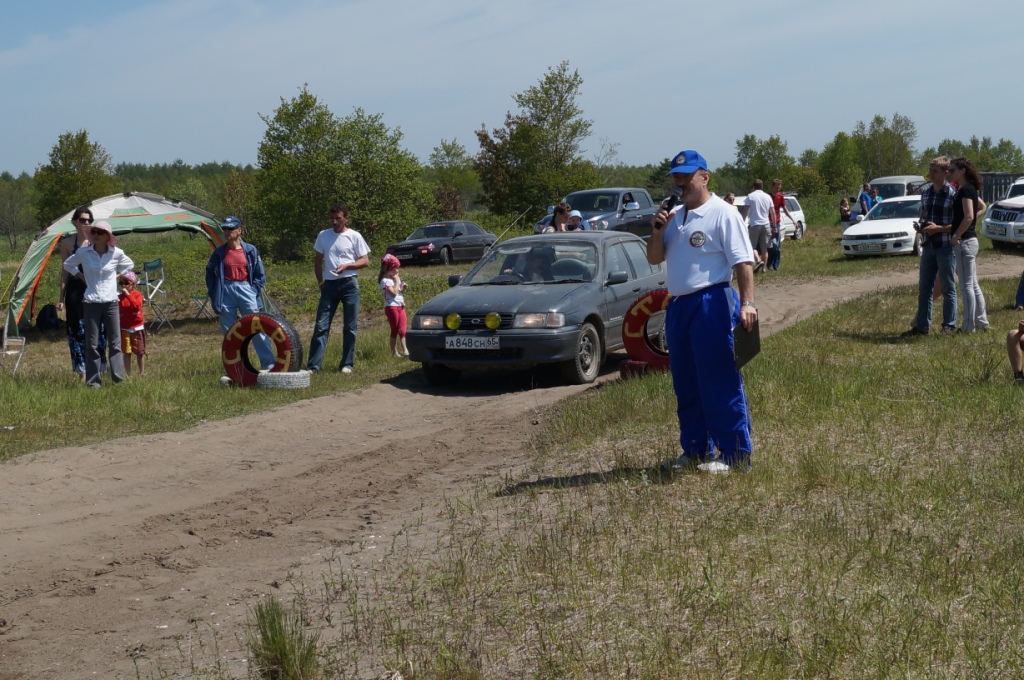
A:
{"points": [[235, 348], [635, 337]]}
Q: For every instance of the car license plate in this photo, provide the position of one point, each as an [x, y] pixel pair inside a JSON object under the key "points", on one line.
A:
{"points": [[868, 247], [997, 230], [472, 342], [404, 256]]}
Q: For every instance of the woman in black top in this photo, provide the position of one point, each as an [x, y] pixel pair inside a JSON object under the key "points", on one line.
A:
{"points": [[72, 291], [965, 243]]}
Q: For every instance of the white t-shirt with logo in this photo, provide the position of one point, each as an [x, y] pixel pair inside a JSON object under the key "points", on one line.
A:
{"points": [[703, 245], [339, 249], [759, 208]]}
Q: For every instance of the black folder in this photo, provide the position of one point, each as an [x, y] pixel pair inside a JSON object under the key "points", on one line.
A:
{"points": [[746, 344]]}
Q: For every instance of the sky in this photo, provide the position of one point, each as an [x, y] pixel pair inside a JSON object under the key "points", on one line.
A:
{"points": [[153, 81]]}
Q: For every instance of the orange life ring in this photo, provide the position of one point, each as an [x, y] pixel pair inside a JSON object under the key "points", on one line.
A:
{"points": [[235, 348], [634, 330]]}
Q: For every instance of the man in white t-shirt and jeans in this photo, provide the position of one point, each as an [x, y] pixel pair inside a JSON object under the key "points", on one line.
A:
{"points": [[344, 252], [760, 217]]}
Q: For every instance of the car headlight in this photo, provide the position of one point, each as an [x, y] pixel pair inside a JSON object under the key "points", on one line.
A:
{"points": [[492, 321], [548, 320], [426, 322], [598, 224], [452, 322]]}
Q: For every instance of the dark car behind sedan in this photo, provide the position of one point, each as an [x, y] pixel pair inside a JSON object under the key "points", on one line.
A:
{"points": [[443, 242], [547, 299]]}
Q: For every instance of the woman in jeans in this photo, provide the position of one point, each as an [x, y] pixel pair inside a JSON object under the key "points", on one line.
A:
{"points": [[102, 262], [965, 243]]}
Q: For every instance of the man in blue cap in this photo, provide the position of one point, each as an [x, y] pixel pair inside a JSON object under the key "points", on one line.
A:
{"points": [[234, 279], [703, 241]]}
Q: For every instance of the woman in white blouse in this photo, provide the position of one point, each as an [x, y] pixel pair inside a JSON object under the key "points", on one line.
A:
{"points": [[102, 262]]}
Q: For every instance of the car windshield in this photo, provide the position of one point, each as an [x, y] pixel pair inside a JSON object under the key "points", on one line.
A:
{"points": [[895, 210], [1015, 190], [430, 231], [538, 262], [593, 201], [890, 190]]}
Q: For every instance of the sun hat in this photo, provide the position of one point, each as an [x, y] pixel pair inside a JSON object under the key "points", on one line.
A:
{"points": [[103, 225], [390, 261], [688, 161], [130, 276], [576, 213]]}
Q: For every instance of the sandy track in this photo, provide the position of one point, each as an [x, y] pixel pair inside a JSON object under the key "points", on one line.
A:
{"points": [[111, 551]]}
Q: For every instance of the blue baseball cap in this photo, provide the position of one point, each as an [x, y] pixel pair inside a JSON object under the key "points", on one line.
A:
{"points": [[231, 222], [688, 161]]}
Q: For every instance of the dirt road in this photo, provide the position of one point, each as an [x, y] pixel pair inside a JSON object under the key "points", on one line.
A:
{"points": [[109, 552]]}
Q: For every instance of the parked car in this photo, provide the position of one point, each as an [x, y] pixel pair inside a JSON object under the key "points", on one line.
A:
{"points": [[893, 186], [888, 229], [547, 299], [790, 229], [613, 209], [1004, 222], [443, 242]]}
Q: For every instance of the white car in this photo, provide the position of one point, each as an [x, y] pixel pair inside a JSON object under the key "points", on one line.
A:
{"points": [[790, 229], [888, 229], [1004, 221]]}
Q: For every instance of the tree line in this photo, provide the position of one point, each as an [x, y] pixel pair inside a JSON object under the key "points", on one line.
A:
{"points": [[310, 157]]}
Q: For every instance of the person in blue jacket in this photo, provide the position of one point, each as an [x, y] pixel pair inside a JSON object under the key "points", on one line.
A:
{"points": [[234, 279]]}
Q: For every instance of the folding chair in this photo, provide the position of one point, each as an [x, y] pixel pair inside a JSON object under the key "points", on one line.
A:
{"points": [[161, 314], [152, 276], [201, 303], [12, 346]]}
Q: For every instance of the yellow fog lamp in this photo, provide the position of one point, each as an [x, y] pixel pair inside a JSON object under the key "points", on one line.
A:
{"points": [[492, 321], [452, 322]]}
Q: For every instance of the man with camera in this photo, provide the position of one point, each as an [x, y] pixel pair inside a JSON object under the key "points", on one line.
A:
{"points": [[935, 226]]}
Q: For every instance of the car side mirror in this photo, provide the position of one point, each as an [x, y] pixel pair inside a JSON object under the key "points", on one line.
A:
{"points": [[459, 232], [616, 278], [860, 218], [454, 280], [632, 205]]}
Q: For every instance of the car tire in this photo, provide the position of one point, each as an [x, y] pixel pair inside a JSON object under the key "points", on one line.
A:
{"points": [[445, 256], [285, 380], [917, 245], [798, 231], [586, 362], [439, 375]]}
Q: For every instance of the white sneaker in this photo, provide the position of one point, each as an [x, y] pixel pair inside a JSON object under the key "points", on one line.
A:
{"points": [[715, 467], [346, 369]]}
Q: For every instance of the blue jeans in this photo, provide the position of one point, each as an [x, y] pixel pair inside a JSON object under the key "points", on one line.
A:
{"points": [[936, 259], [346, 292], [239, 299]]}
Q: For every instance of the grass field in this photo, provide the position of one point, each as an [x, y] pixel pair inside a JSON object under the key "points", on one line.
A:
{"points": [[878, 534]]}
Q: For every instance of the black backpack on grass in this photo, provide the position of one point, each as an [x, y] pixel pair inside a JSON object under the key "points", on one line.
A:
{"points": [[48, 319]]}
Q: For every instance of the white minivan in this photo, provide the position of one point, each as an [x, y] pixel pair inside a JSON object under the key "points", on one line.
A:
{"points": [[891, 187]]}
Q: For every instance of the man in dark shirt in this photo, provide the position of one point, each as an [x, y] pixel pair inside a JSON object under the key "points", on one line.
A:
{"points": [[936, 223]]}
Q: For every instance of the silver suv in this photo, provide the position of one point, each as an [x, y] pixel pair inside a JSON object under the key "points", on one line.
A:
{"points": [[1004, 221]]}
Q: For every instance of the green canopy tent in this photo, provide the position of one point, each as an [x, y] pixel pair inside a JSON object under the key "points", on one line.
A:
{"points": [[127, 213]]}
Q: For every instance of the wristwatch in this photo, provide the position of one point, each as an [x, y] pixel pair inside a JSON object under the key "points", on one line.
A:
{"points": [[748, 303]]}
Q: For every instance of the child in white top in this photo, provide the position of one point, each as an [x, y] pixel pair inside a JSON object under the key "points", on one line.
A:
{"points": [[392, 285]]}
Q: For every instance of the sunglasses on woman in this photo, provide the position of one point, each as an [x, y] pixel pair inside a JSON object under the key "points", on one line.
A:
{"points": [[99, 232], [85, 220]]}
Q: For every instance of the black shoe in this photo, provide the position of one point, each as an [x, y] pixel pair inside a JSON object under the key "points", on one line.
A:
{"points": [[759, 266], [914, 331], [1019, 378]]}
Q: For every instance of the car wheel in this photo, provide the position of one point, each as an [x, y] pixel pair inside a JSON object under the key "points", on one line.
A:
{"points": [[917, 245], [440, 375], [586, 363], [798, 232], [446, 255]]}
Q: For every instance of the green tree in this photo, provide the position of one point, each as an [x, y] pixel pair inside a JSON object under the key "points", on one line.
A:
{"points": [[78, 171], [299, 177], [1005, 156], [455, 182], [380, 181], [191, 190], [886, 147], [839, 166], [16, 208], [535, 158]]}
